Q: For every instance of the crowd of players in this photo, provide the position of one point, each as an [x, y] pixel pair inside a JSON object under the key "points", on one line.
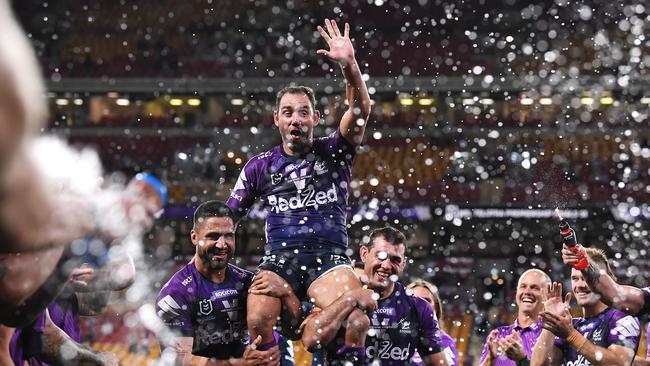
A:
{"points": [[305, 288]]}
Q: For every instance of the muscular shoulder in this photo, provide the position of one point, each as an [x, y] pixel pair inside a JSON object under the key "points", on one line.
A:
{"points": [[176, 295], [624, 323], [183, 282]]}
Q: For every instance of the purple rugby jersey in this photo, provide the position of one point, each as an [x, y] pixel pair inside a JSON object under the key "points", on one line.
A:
{"points": [[64, 313], [213, 314], [605, 329], [27, 342], [448, 348], [528, 336], [305, 199], [401, 325]]}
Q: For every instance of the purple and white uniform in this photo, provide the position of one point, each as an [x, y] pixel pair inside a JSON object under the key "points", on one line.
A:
{"points": [[448, 348], [305, 198], [528, 336], [27, 342], [605, 329], [401, 325], [213, 314], [64, 313]]}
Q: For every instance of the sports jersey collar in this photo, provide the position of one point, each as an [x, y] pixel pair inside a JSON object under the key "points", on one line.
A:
{"points": [[533, 326]]}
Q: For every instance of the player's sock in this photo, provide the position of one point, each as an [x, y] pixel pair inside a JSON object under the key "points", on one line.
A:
{"points": [[269, 345]]}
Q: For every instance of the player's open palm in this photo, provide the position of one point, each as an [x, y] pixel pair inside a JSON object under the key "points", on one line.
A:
{"points": [[554, 304], [340, 46]]}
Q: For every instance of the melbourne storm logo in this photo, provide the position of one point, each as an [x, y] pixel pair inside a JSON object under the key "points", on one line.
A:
{"points": [[276, 178]]}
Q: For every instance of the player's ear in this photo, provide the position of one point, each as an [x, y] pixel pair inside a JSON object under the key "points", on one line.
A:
{"points": [[316, 117], [276, 120], [363, 253], [194, 237]]}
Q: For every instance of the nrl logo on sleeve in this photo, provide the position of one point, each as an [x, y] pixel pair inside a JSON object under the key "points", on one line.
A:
{"points": [[205, 307]]}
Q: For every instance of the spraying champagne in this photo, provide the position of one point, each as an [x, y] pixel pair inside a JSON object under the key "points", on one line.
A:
{"points": [[571, 241]]}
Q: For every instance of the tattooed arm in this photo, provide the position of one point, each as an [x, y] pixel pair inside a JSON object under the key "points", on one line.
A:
{"points": [[628, 299]]}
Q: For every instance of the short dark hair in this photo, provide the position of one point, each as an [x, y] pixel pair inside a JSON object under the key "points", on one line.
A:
{"points": [[296, 89], [390, 234], [211, 209]]}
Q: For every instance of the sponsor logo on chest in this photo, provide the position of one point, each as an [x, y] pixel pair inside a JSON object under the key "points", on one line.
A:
{"points": [[303, 199]]}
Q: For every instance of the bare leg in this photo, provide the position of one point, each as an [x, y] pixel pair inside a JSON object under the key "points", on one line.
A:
{"points": [[330, 287], [262, 315]]}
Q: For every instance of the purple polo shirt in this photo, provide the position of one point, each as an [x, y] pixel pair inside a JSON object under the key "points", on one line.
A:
{"points": [[528, 336]]}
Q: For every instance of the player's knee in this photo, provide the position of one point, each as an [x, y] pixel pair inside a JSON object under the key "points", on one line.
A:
{"points": [[358, 322], [260, 318]]}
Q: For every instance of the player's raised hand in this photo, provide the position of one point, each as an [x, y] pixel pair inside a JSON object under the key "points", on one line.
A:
{"points": [[554, 303], [560, 325], [81, 278], [340, 46], [571, 257]]}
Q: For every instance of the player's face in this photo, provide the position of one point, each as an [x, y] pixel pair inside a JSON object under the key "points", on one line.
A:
{"points": [[531, 292], [383, 263], [214, 239], [147, 196], [581, 291], [296, 118]]}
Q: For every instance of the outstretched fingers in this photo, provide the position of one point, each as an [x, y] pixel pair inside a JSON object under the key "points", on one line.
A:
{"points": [[335, 28], [324, 34], [330, 27], [346, 31], [567, 300]]}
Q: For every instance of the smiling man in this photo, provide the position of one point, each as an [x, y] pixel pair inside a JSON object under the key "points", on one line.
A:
{"points": [[303, 186], [513, 344], [603, 336], [401, 324], [205, 301]]}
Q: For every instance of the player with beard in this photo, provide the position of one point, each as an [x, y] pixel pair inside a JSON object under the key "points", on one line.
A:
{"points": [[400, 325], [513, 344], [604, 336], [303, 185], [429, 293], [205, 301]]}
